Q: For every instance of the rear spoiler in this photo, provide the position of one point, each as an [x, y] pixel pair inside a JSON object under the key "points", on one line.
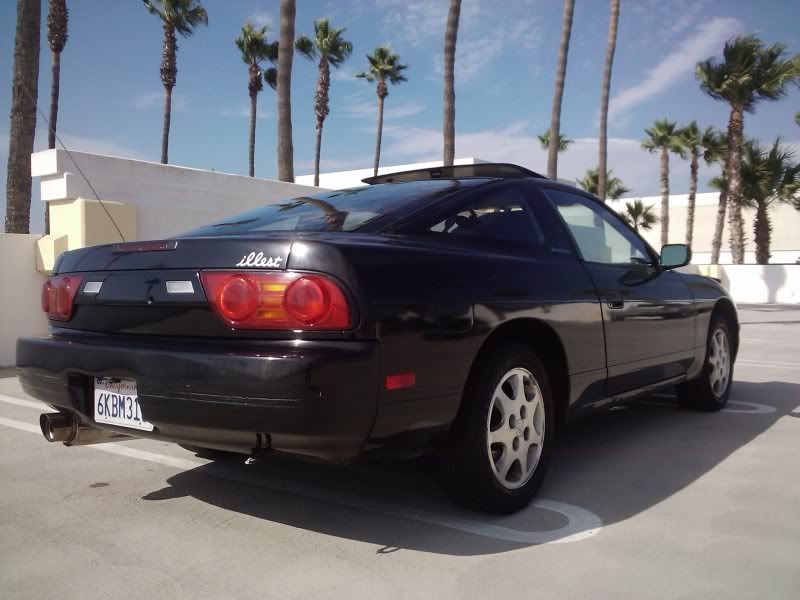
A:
{"points": [[497, 170]]}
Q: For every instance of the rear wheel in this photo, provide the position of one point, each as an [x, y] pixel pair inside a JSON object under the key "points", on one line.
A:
{"points": [[712, 388], [498, 449]]}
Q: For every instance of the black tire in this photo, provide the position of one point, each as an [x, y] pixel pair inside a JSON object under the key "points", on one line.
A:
{"points": [[700, 393], [465, 465]]}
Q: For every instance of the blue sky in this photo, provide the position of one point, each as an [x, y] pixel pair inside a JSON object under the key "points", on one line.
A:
{"points": [[111, 95]]}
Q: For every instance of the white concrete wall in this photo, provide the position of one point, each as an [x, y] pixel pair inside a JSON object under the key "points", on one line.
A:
{"points": [[785, 246], [169, 200], [20, 293]]}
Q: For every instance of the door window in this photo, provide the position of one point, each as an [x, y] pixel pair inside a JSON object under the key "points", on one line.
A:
{"points": [[501, 216], [599, 234]]}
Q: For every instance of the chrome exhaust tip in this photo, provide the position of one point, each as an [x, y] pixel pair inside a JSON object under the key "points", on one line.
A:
{"points": [[58, 427], [61, 427]]}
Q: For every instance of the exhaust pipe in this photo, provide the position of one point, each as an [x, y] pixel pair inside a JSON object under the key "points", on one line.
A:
{"points": [[61, 427]]}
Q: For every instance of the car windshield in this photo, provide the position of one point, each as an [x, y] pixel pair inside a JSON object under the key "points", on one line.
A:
{"points": [[339, 210]]}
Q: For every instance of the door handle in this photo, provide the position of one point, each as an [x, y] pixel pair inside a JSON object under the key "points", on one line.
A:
{"points": [[614, 300]]}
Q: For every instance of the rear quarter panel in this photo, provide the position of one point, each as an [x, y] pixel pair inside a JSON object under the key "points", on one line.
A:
{"points": [[433, 305]]}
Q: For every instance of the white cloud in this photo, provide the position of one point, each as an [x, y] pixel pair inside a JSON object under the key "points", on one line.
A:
{"points": [[391, 111], [679, 64], [262, 18], [484, 32], [148, 100], [517, 144], [243, 111]]}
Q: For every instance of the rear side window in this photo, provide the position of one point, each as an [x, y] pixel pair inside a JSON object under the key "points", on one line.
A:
{"points": [[501, 216]]}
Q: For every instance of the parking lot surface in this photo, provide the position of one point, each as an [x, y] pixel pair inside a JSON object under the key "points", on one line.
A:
{"points": [[645, 501]]}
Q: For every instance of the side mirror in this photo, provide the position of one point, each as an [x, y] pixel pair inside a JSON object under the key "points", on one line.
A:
{"points": [[675, 255]]}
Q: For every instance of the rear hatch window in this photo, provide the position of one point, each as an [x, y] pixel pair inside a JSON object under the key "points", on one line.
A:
{"points": [[355, 209]]}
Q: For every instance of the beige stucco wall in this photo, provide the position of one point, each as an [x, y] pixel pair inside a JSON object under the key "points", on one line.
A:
{"points": [[20, 304]]}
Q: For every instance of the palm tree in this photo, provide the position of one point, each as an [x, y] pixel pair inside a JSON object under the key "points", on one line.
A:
{"points": [[797, 118], [638, 214], [450, 38], [255, 49], [284, 89], [715, 150], [605, 89], [615, 188], [694, 142], [558, 92], [384, 65], [57, 18], [749, 72], [332, 50], [664, 138], [563, 141], [768, 176], [177, 16], [24, 90]]}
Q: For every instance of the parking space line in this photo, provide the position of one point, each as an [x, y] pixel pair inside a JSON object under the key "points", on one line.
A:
{"points": [[22, 426], [20, 402], [764, 364], [581, 523]]}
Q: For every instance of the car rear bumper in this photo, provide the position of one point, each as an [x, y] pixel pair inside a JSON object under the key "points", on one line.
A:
{"points": [[316, 398]]}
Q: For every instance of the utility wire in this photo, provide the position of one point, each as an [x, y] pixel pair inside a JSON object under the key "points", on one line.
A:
{"points": [[74, 162]]}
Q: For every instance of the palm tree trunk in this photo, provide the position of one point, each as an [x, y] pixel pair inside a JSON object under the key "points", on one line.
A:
{"points": [[55, 77], [692, 197], [716, 243], [55, 81], [735, 125], [379, 132], [321, 110], [762, 230], [664, 196], [284, 91], [604, 92], [558, 92], [252, 145], [450, 38], [165, 126], [169, 75], [24, 92]]}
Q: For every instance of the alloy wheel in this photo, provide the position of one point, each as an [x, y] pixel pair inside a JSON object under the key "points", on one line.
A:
{"points": [[515, 428], [719, 362]]}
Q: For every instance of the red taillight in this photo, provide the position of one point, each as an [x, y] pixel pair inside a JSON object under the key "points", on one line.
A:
{"points": [[276, 300], [58, 296]]}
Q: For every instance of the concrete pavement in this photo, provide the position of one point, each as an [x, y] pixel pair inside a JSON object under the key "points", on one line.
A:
{"points": [[647, 500]]}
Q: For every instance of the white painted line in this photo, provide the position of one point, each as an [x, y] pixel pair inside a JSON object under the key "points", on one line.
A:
{"points": [[781, 342], [20, 425], [774, 365], [25, 403], [581, 523], [160, 459]]}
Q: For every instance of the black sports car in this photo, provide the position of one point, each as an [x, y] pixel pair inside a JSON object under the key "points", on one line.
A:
{"points": [[471, 310]]}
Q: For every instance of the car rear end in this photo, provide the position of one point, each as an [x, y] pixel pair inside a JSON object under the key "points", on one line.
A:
{"points": [[198, 341]]}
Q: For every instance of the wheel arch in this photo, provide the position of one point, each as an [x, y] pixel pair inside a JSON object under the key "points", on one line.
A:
{"points": [[543, 340], [724, 308]]}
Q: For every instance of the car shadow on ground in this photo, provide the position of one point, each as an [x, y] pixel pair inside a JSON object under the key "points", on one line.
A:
{"points": [[615, 465]]}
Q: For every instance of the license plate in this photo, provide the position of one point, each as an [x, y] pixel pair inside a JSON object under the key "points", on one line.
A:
{"points": [[116, 403]]}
